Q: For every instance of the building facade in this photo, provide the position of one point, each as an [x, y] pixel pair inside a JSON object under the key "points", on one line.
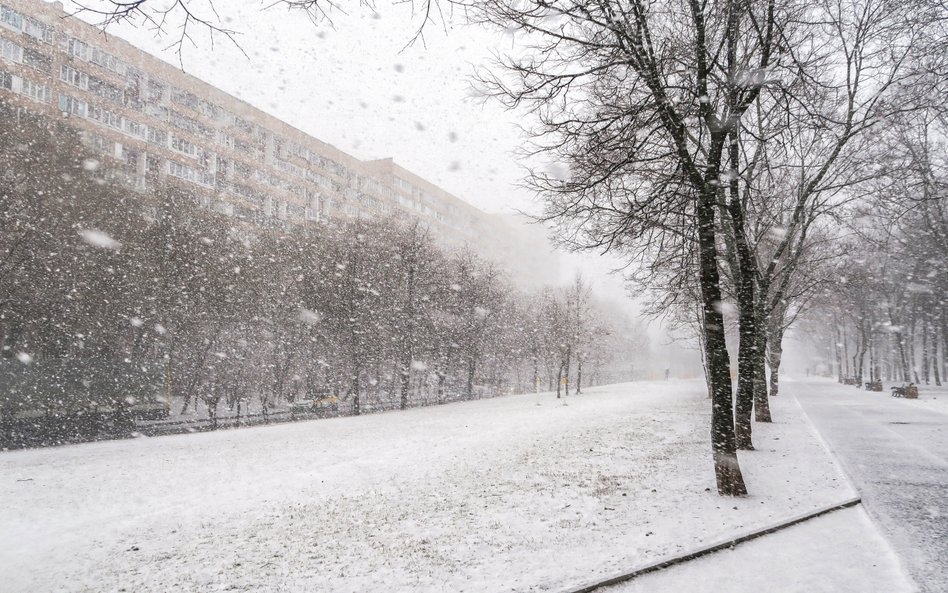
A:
{"points": [[152, 123]]}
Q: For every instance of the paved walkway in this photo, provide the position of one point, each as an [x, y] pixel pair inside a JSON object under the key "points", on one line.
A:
{"points": [[896, 452]]}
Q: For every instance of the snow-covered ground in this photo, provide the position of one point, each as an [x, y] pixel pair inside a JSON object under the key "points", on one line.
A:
{"points": [[490, 495]]}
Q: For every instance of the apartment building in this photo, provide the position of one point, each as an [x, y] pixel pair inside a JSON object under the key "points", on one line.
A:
{"points": [[150, 122]]}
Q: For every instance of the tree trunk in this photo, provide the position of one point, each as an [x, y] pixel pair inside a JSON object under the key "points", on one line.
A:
{"points": [[409, 331], [471, 369], [774, 356], [559, 381], [846, 374], [761, 401], [747, 305], [579, 375], [189, 391], [935, 360], [903, 359], [913, 361], [727, 470], [566, 365], [860, 358], [702, 351], [404, 380], [839, 357], [536, 375], [356, 395]]}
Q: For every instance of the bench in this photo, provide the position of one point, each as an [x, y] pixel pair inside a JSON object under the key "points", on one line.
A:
{"points": [[909, 391]]}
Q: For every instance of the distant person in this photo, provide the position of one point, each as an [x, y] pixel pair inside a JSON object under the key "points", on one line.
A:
{"points": [[667, 373]]}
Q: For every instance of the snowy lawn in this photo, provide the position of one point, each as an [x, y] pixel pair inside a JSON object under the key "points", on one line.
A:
{"points": [[490, 495]]}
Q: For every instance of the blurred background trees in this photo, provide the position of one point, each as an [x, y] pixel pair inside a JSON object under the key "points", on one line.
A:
{"points": [[368, 314]]}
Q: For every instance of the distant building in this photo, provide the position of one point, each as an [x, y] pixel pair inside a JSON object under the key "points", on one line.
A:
{"points": [[152, 122]]}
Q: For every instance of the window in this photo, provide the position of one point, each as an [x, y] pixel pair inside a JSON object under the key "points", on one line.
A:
{"points": [[182, 145], [243, 125], [133, 80], [36, 91], [11, 17], [294, 212], [104, 116], [191, 174], [289, 168], [182, 97], [130, 156], [178, 170], [69, 104], [134, 128], [158, 137], [35, 59], [73, 77], [98, 143], [211, 110], [104, 89], [38, 30], [77, 48], [225, 140], [157, 111], [107, 61], [156, 91], [11, 51], [152, 164], [189, 125], [243, 168]]}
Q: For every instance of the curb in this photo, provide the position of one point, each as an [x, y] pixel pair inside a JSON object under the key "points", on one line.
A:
{"points": [[712, 548]]}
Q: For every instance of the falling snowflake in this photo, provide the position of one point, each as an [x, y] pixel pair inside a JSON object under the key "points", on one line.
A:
{"points": [[99, 239], [310, 317]]}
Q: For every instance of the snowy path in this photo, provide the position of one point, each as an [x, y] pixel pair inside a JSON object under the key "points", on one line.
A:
{"points": [[896, 451], [491, 495], [838, 553]]}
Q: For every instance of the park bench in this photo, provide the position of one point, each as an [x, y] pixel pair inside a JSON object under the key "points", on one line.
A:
{"points": [[909, 391], [328, 403]]}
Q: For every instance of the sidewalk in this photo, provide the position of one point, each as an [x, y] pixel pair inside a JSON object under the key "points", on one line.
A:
{"points": [[838, 553], [896, 452]]}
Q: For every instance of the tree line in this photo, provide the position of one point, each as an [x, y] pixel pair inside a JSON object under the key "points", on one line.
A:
{"points": [[372, 313], [715, 146], [883, 315]]}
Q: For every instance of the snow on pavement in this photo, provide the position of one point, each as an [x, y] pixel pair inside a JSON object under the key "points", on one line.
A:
{"points": [[842, 552], [490, 495], [896, 451]]}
